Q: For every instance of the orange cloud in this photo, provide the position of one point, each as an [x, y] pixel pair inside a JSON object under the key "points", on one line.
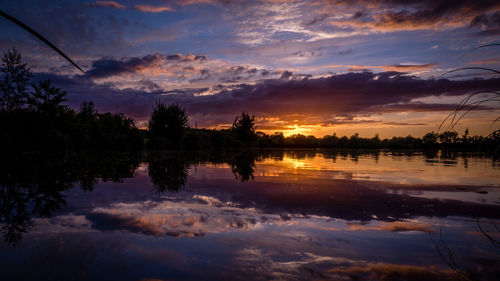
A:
{"points": [[394, 67], [109, 4], [406, 67], [194, 2], [388, 16], [397, 226], [153, 9], [487, 61]]}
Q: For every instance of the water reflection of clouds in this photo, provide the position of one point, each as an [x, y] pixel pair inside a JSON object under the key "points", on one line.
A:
{"points": [[251, 244], [196, 216], [200, 215], [301, 266], [397, 226]]}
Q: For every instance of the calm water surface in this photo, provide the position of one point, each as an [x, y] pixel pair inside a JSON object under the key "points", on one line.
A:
{"points": [[272, 215]]}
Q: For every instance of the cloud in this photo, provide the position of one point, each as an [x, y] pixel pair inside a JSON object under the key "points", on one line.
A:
{"points": [[486, 61], [393, 272], [394, 67], [108, 4], [409, 67], [179, 217], [195, 2], [174, 72], [310, 266], [153, 9], [388, 16], [338, 94], [487, 21], [142, 8], [397, 226], [107, 67]]}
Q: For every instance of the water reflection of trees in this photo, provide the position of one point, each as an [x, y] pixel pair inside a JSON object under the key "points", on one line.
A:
{"points": [[431, 157], [167, 170], [353, 155], [32, 184], [243, 165]]}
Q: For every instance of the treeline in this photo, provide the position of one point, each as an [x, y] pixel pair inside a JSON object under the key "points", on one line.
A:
{"points": [[32, 117], [432, 140], [243, 134]]}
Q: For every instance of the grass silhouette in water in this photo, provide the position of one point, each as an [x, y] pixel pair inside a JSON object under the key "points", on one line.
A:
{"points": [[468, 104]]}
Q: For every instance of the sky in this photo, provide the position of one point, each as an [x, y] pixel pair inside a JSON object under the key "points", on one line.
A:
{"points": [[314, 67]]}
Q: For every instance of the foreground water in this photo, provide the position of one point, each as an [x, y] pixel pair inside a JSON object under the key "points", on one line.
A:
{"points": [[272, 215]]}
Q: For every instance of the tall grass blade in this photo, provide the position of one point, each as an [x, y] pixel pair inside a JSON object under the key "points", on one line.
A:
{"points": [[470, 68], [479, 47], [37, 35]]}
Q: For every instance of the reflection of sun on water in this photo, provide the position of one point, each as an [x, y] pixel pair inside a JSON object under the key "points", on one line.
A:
{"points": [[294, 163], [384, 168]]}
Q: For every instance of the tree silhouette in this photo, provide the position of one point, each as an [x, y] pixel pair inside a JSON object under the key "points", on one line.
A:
{"points": [[46, 98], [87, 111], [167, 125], [244, 127], [15, 81]]}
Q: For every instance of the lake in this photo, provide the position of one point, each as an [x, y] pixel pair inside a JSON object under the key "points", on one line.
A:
{"points": [[250, 215]]}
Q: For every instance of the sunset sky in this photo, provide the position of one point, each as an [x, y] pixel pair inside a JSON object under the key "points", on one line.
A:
{"points": [[311, 67]]}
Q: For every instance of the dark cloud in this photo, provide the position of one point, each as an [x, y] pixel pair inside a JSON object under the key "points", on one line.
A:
{"points": [[345, 52], [393, 15], [337, 94], [180, 57], [488, 21], [148, 85], [341, 95], [489, 24], [175, 68], [107, 67], [316, 20]]}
